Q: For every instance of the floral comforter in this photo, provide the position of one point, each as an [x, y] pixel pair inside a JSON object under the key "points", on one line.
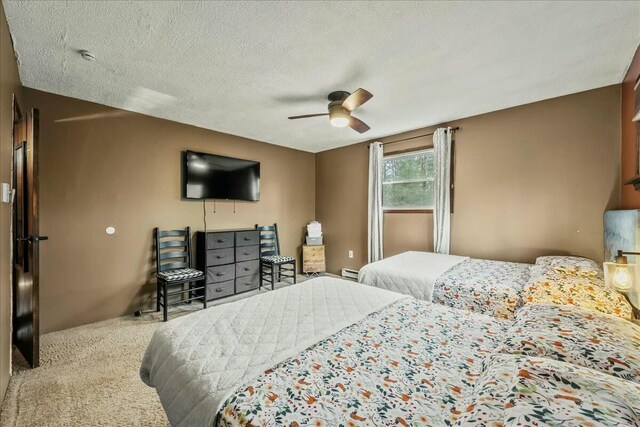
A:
{"points": [[535, 391], [483, 286], [412, 363]]}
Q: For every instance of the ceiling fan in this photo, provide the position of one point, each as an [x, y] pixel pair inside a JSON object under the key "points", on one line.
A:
{"points": [[341, 104]]}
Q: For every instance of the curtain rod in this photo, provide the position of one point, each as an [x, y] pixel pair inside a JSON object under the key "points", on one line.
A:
{"points": [[457, 128]]}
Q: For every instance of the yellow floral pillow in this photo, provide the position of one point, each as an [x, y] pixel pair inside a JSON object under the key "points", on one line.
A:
{"points": [[587, 292]]}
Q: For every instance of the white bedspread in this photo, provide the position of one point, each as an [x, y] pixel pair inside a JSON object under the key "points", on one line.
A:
{"points": [[196, 362], [409, 273]]}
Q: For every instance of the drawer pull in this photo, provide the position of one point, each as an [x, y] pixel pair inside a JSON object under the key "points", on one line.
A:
{"points": [[218, 289], [221, 240], [247, 269], [219, 256], [246, 239], [220, 274], [247, 253]]}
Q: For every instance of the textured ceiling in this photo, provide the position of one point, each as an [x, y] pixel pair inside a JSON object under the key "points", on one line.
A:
{"points": [[244, 67]]}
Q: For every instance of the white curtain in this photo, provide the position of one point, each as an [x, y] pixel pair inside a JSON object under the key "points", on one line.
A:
{"points": [[375, 202], [442, 191]]}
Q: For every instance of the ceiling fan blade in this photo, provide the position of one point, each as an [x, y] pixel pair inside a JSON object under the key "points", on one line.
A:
{"points": [[356, 99], [358, 125], [306, 116]]}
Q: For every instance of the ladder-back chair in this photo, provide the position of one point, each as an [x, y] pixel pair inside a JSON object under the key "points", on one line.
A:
{"points": [[173, 267], [273, 266]]}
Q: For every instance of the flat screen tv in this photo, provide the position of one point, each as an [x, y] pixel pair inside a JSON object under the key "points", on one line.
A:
{"points": [[208, 176]]}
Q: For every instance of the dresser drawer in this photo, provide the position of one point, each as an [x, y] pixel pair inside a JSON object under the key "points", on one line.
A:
{"points": [[221, 273], [247, 268], [247, 238], [220, 240], [220, 290], [246, 253], [247, 283], [220, 256]]}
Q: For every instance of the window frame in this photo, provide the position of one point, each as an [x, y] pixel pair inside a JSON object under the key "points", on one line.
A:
{"points": [[407, 153]]}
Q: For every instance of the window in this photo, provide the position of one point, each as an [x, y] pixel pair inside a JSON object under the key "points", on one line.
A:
{"points": [[407, 181]]}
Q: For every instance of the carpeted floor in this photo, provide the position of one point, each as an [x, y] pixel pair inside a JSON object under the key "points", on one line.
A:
{"points": [[89, 376]]}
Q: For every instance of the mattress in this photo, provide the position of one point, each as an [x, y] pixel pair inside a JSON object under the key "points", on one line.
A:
{"points": [[197, 361], [483, 286], [410, 273]]}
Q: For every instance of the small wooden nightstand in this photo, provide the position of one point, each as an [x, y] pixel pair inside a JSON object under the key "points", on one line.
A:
{"points": [[313, 259]]}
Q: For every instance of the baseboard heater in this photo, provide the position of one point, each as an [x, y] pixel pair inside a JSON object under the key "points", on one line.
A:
{"points": [[350, 274]]}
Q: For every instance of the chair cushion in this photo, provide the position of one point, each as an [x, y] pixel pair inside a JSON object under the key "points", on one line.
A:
{"points": [[277, 259], [180, 274]]}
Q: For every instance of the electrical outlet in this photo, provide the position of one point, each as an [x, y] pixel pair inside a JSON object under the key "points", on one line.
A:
{"points": [[350, 254]]}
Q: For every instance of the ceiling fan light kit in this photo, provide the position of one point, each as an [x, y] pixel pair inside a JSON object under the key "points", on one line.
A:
{"points": [[338, 115], [341, 104]]}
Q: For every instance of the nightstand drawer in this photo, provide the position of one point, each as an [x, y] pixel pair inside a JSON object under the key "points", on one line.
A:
{"points": [[313, 260], [313, 267], [247, 268], [247, 238], [220, 256], [220, 290], [220, 240], [221, 273], [314, 255], [247, 283], [246, 253]]}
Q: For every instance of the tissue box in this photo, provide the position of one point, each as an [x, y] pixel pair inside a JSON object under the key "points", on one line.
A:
{"points": [[314, 229]]}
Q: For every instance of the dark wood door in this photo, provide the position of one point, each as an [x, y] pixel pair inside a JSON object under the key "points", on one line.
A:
{"points": [[26, 328]]}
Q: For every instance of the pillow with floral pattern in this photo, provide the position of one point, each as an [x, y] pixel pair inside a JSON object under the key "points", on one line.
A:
{"points": [[587, 292], [533, 391], [572, 334], [576, 262]]}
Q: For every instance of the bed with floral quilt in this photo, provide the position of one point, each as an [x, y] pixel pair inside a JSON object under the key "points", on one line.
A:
{"points": [[496, 288], [478, 285], [336, 353]]}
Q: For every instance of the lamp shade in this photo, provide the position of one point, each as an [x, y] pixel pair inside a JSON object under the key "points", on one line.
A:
{"points": [[624, 278]]}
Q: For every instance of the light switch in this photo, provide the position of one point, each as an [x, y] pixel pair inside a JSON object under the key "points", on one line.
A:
{"points": [[6, 193]]}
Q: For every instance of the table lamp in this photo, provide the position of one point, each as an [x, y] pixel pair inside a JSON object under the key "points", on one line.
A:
{"points": [[624, 278]]}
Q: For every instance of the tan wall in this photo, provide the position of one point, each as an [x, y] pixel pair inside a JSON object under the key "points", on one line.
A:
{"points": [[9, 84], [124, 170], [530, 180], [630, 135]]}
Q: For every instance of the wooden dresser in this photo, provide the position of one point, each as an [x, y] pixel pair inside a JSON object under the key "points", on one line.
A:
{"points": [[230, 259], [313, 259]]}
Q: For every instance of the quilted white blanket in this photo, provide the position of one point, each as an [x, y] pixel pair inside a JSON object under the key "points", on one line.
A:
{"points": [[410, 273], [196, 362]]}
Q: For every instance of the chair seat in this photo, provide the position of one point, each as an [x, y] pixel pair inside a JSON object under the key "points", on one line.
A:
{"points": [[180, 274], [277, 259]]}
